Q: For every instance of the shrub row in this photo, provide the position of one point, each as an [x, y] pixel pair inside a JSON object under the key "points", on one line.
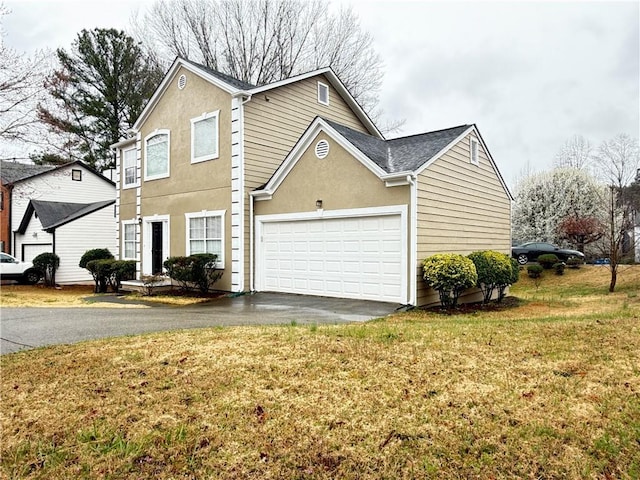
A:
{"points": [[450, 274]]}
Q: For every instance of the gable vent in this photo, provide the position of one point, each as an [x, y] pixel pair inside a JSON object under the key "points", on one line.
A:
{"points": [[322, 149], [182, 81]]}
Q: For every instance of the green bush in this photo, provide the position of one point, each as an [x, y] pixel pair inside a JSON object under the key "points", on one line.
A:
{"points": [[101, 271], [494, 271], [47, 263], [449, 274], [574, 262], [534, 271], [548, 260], [122, 270], [196, 270], [94, 254], [559, 268]]}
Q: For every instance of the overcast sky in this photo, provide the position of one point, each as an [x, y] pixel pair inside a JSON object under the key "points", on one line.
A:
{"points": [[530, 75]]}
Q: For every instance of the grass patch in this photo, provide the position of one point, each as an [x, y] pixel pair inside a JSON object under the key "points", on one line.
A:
{"points": [[540, 390]]}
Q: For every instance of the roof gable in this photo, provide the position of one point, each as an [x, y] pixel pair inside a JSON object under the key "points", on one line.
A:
{"points": [[55, 214], [55, 169], [390, 160]]}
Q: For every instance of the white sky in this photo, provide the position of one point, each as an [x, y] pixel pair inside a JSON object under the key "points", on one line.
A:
{"points": [[530, 75]]}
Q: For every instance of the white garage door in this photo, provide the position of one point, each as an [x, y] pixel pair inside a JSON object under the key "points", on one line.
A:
{"points": [[355, 257]]}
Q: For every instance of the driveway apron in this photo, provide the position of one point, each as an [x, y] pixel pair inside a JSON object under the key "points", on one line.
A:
{"points": [[25, 328]]}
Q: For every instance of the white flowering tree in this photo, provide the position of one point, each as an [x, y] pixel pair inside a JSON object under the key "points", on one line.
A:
{"points": [[544, 200]]}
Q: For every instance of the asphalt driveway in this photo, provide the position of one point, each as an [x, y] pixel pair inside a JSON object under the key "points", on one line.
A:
{"points": [[26, 328]]}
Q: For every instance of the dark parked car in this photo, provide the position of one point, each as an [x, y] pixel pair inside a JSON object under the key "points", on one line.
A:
{"points": [[529, 252], [23, 272]]}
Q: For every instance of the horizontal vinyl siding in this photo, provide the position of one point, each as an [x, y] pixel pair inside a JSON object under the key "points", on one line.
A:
{"points": [[72, 241], [272, 128], [461, 208]]}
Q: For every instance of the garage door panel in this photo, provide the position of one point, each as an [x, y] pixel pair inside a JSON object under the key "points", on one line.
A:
{"points": [[355, 257]]}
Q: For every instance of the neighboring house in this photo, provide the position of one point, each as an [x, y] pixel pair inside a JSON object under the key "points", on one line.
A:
{"points": [[66, 210], [295, 189], [11, 172]]}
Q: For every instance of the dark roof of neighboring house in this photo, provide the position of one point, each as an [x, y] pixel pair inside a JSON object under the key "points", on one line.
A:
{"points": [[56, 214], [400, 154], [12, 172], [39, 170], [222, 76]]}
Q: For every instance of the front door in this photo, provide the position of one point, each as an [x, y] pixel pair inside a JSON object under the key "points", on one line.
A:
{"points": [[156, 248]]}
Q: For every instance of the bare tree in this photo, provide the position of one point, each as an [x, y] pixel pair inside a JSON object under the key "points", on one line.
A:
{"points": [[21, 86], [617, 162], [262, 41], [576, 152]]}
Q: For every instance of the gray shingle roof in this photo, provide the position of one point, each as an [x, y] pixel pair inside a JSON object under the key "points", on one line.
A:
{"points": [[402, 154], [55, 214], [223, 76], [12, 172]]}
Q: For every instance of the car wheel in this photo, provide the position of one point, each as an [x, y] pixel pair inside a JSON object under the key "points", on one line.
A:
{"points": [[523, 259], [31, 276]]}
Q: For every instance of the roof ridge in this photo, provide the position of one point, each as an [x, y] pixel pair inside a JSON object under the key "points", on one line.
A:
{"points": [[466, 125]]}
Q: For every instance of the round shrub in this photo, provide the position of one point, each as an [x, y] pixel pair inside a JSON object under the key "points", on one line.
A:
{"points": [[449, 274], [534, 271], [494, 270], [94, 254], [47, 263], [548, 260], [559, 268]]}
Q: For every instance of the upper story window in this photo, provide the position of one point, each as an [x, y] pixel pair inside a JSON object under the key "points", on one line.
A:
{"points": [[323, 93], [204, 137], [129, 167], [474, 152], [156, 163], [76, 175]]}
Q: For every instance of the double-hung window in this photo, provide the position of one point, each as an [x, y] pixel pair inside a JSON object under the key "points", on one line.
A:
{"points": [[204, 137], [205, 234], [129, 167], [129, 240], [156, 155]]}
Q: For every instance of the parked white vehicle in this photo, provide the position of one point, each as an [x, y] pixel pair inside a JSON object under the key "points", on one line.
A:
{"points": [[13, 269]]}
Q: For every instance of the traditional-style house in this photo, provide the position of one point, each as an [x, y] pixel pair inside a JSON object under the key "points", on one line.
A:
{"points": [[296, 190]]}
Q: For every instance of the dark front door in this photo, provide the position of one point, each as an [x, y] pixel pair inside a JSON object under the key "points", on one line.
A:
{"points": [[156, 248]]}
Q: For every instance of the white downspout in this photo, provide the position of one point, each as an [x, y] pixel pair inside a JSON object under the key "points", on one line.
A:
{"points": [[251, 242], [413, 240]]}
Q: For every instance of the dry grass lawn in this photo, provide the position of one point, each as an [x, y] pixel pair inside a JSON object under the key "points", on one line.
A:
{"points": [[547, 389]]}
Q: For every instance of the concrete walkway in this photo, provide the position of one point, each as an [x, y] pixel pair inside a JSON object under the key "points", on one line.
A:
{"points": [[25, 328]]}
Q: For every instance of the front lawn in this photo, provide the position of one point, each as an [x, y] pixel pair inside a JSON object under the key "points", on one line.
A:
{"points": [[548, 389]]}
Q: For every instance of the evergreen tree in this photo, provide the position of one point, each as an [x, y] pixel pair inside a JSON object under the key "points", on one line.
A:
{"points": [[99, 90]]}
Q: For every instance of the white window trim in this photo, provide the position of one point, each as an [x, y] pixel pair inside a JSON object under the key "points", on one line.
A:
{"points": [[135, 240], [146, 139], [214, 155], [320, 85], [207, 213], [476, 160], [136, 183]]}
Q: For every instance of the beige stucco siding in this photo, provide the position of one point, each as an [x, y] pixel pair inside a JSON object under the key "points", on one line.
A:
{"points": [[339, 180], [461, 208], [190, 187]]}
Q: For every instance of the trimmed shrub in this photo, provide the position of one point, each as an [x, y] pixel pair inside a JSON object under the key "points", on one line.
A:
{"points": [[101, 271], [47, 263], [122, 270], [548, 260], [559, 268], [574, 262], [534, 271], [513, 278], [94, 254], [449, 274], [196, 270], [494, 270]]}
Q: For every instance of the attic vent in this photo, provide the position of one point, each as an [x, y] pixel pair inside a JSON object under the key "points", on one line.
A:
{"points": [[322, 149], [182, 81]]}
